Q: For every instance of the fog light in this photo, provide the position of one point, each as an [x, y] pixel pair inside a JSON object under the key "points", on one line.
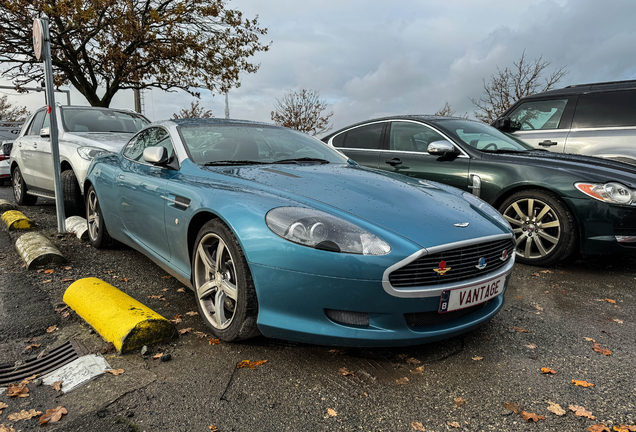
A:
{"points": [[346, 317]]}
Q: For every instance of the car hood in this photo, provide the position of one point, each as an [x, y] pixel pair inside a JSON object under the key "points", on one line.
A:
{"points": [[587, 168], [421, 211], [112, 141]]}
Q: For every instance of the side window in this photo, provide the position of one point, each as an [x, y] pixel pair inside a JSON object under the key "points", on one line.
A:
{"points": [[539, 115], [364, 137], [338, 140], [609, 109], [414, 137], [36, 124], [47, 121], [153, 137]]}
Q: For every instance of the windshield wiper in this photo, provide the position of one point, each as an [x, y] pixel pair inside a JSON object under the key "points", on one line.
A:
{"points": [[234, 162], [301, 160]]}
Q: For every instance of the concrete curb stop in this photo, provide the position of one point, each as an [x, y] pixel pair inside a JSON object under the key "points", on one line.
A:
{"points": [[15, 220], [78, 226], [116, 316], [36, 250], [5, 206]]}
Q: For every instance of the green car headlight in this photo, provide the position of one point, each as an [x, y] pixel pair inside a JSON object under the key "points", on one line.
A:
{"points": [[320, 230]]}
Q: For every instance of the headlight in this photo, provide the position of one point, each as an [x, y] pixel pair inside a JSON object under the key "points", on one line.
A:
{"points": [[320, 230], [485, 207], [89, 153], [611, 192]]}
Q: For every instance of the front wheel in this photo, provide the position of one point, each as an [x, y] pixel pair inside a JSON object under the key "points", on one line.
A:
{"points": [[544, 226], [97, 232], [73, 202], [223, 284]]}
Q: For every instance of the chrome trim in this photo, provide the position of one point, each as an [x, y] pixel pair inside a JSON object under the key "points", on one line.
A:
{"points": [[462, 155], [476, 186], [180, 204], [435, 291], [626, 239], [41, 194]]}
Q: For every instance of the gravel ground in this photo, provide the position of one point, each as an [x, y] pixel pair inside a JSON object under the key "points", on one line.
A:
{"points": [[300, 387]]}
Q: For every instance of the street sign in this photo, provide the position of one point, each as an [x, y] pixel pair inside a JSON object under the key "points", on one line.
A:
{"points": [[38, 38]]}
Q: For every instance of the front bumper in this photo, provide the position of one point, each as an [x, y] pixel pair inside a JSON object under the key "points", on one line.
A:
{"points": [[294, 305]]}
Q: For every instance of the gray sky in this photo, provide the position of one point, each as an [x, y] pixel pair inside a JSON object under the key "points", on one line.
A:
{"points": [[373, 58]]}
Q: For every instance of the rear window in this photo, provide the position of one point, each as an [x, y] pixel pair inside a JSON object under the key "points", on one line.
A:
{"points": [[609, 109], [364, 137]]}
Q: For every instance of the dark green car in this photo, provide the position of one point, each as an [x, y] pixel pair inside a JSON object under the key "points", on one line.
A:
{"points": [[556, 203]]}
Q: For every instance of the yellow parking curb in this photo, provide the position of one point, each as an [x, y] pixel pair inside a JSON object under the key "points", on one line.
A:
{"points": [[15, 220], [116, 316], [5, 206]]}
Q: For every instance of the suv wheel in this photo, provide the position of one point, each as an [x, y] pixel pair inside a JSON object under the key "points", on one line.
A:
{"points": [[20, 189], [73, 201]]}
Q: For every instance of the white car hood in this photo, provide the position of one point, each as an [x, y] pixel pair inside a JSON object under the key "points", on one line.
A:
{"points": [[112, 141]]}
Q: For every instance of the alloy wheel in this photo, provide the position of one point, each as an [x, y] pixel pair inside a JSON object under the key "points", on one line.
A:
{"points": [[536, 225], [17, 184], [93, 215]]}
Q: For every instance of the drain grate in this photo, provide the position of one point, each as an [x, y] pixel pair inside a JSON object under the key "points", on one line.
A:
{"points": [[56, 358]]}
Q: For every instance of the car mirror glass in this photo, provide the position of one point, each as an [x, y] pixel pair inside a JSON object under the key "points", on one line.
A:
{"points": [[156, 155], [442, 148], [45, 132]]}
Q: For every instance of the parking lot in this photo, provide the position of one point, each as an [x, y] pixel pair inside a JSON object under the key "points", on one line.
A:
{"points": [[552, 318]]}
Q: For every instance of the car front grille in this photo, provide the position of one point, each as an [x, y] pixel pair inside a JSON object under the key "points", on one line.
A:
{"points": [[423, 319], [461, 263]]}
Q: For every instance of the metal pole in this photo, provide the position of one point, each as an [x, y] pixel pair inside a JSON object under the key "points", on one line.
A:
{"points": [[55, 149], [227, 107], [137, 95]]}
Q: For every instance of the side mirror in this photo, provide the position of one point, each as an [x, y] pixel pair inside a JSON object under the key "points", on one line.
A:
{"points": [[45, 132], [156, 155], [502, 123], [442, 148]]}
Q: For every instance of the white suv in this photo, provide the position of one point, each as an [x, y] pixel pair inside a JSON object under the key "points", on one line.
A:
{"points": [[84, 132]]}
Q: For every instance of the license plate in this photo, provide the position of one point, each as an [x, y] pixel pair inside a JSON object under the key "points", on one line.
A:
{"points": [[461, 298]]}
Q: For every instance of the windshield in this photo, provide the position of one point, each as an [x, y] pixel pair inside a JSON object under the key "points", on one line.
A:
{"points": [[219, 144], [101, 120], [483, 137]]}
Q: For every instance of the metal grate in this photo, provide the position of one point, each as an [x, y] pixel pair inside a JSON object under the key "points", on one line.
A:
{"points": [[461, 262], [56, 358], [423, 319]]}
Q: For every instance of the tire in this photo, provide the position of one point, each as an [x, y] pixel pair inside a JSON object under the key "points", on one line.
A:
{"points": [[220, 276], [97, 233], [73, 201], [20, 189], [544, 226]]}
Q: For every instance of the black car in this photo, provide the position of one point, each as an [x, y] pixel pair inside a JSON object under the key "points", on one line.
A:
{"points": [[556, 203]]}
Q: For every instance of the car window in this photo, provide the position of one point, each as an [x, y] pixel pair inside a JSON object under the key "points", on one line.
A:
{"points": [[415, 137], [101, 120], [481, 136], [364, 137], [609, 109], [152, 137], [47, 121], [538, 115], [338, 140], [36, 124]]}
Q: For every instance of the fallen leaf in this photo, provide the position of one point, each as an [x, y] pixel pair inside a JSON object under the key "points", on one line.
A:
{"points": [[192, 313], [51, 329], [3, 406], [624, 428], [201, 334], [32, 346], [67, 268], [214, 341], [459, 401], [124, 280], [616, 320], [156, 356], [53, 415], [582, 383], [61, 309], [109, 271], [181, 290], [413, 361], [47, 281], [581, 412], [535, 274], [177, 319], [20, 391], [24, 415], [545, 370], [4, 428], [331, 412], [600, 349], [57, 385], [539, 308], [157, 297], [213, 428], [453, 424], [115, 371], [519, 329], [49, 271], [610, 301], [556, 408], [28, 380], [513, 407], [109, 348], [402, 380], [477, 358], [418, 426], [344, 371], [518, 297], [545, 271], [598, 428], [589, 339], [166, 277], [249, 364], [68, 280], [418, 370], [531, 346], [185, 330], [531, 417]]}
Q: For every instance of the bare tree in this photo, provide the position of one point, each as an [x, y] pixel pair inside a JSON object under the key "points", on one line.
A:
{"points": [[11, 113], [302, 111], [509, 85], [195, 111], [448, 111]]}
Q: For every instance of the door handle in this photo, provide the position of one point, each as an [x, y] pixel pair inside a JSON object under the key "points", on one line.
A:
{"points": [[35, 145], [547, 143], [394, 161]]}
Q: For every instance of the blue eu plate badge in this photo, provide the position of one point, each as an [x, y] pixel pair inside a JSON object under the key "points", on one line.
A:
{"points": [[443, 306]]}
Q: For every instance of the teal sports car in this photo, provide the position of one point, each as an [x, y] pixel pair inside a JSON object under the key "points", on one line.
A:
{"points": [[281, 235]]}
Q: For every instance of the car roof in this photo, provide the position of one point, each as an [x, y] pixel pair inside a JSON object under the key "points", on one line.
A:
{"points": [[216, 122], [585, 88]]}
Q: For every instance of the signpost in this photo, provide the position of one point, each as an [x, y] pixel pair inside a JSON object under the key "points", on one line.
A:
{"points": [[42, 48]]}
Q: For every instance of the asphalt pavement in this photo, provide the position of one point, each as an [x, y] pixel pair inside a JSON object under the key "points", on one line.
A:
{"points": [[552, 318]]}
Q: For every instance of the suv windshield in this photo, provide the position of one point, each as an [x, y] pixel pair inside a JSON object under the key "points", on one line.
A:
{"points": [[482, 137], [101, 120], [245, 144]]}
